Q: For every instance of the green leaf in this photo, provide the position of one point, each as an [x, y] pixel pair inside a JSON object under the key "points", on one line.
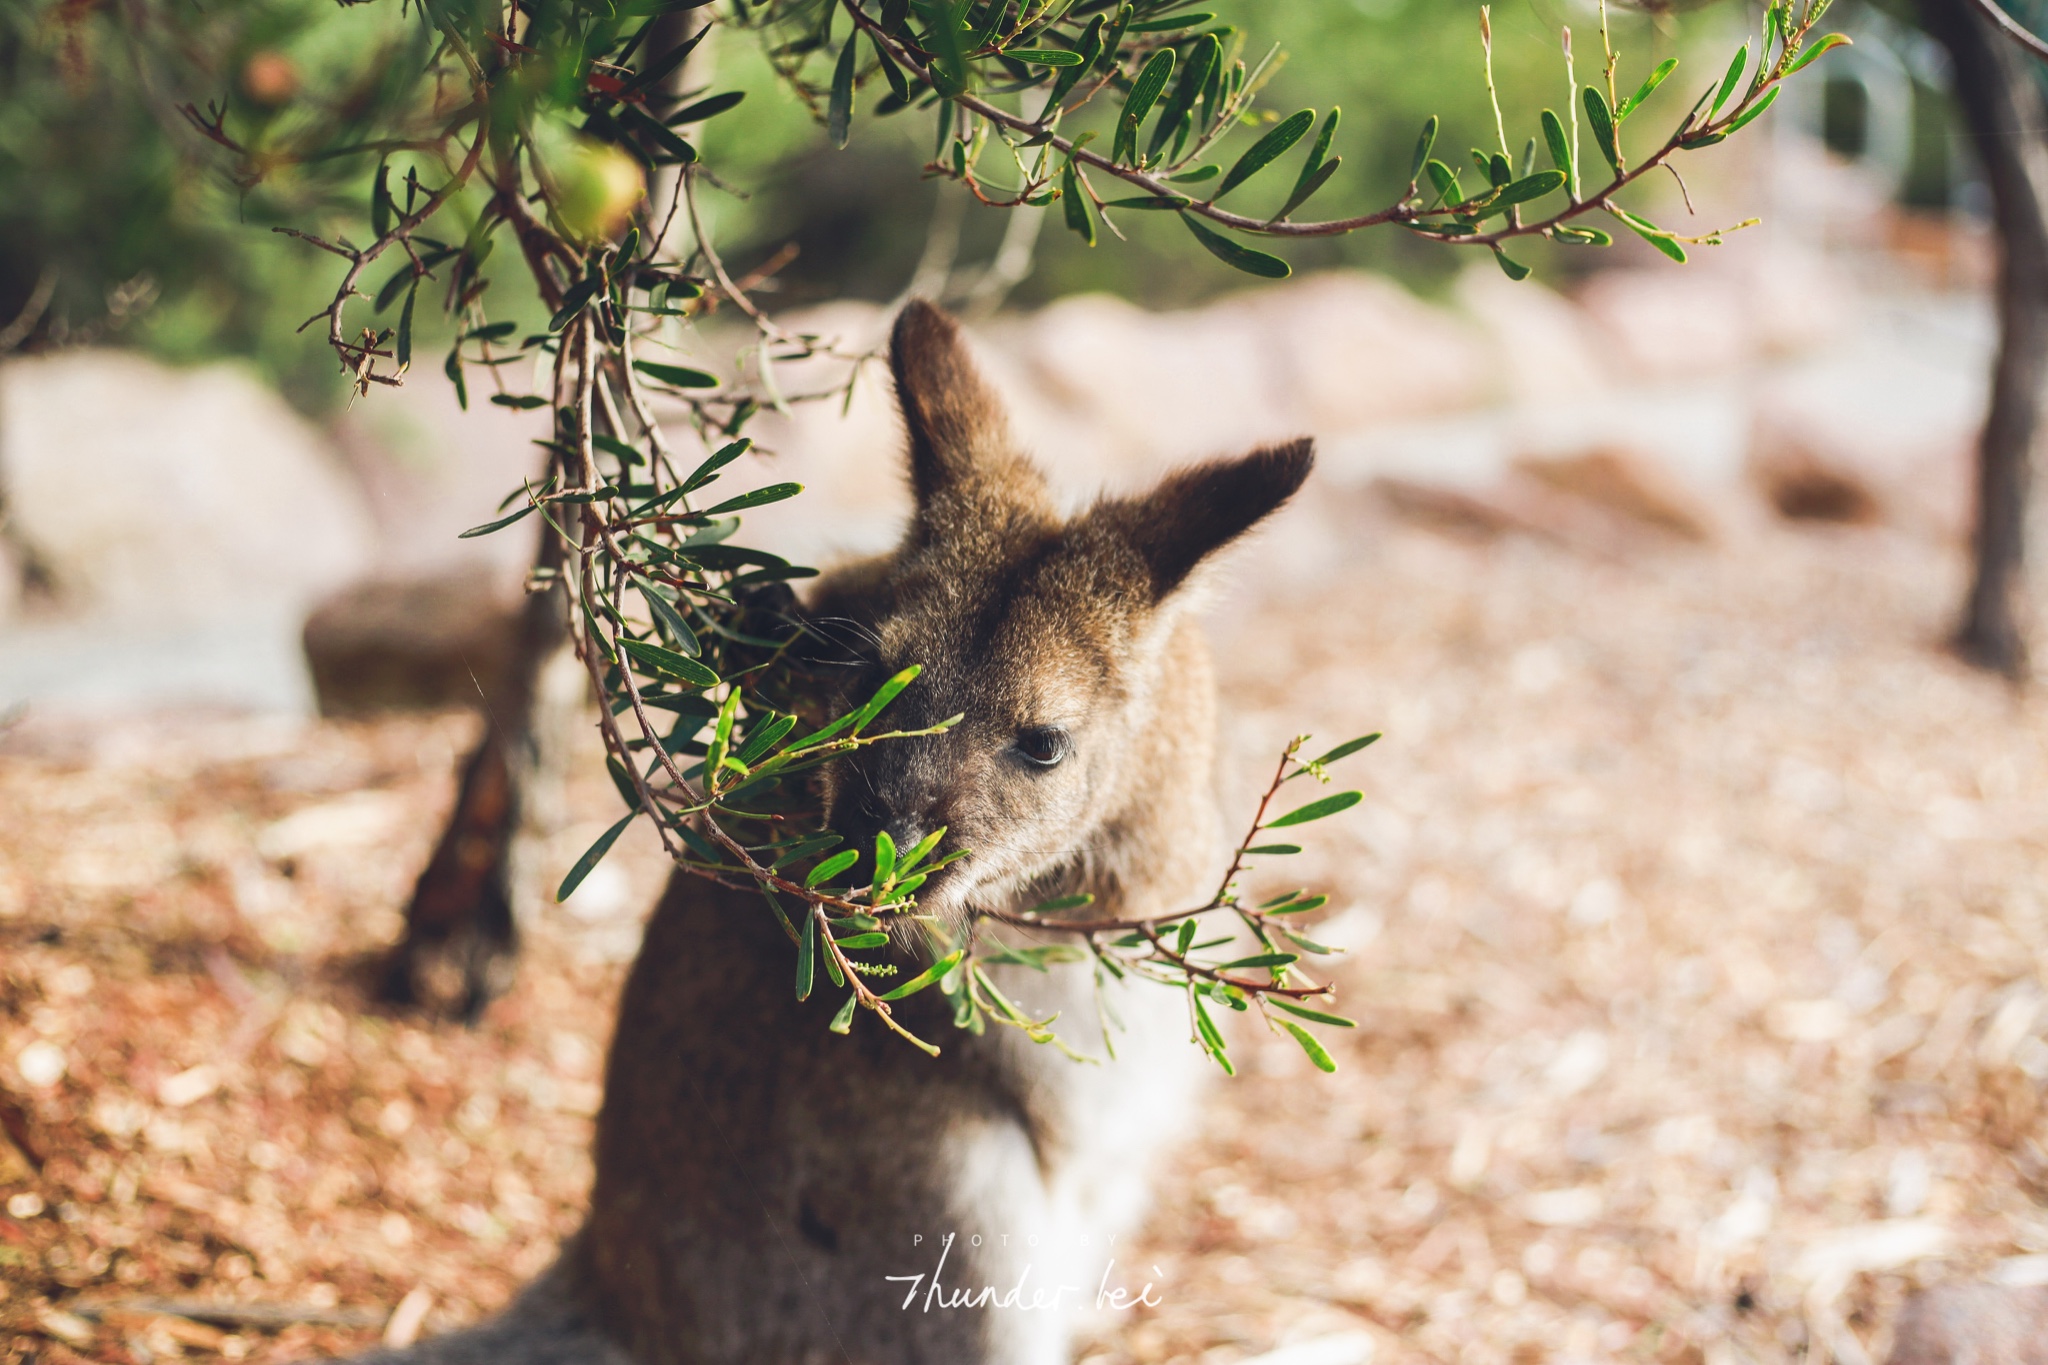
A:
{"points": [[1445, 182], [1756, 110], [674, 150], [1045, 56], [1650, 232], [612, 445], [858, 942], [1267, 150], [927, 976], [760, 497], [842, 1022], [1187, 937], [453, 369], [1334, 1020], [1059, 903], [1074, 203], [680, 376], [705, 108], [806, 957], [919, 851], [885, 858], [721, 736], [1212, 1039], [573, 300], [884, 694], [723, 456], [1236, 256], [1560, 146], [657, 70], [1145, 91], [525, 402], [1510, 267], [1423, 144], [1649, 85], [1175, 202], [381, 206], [832, 867], [1523, 190], [1194, 76], [500, 524], [839, 109], [764, 737], [1274, 850], [1348, 748], [1315, 1050], [1316, 810], [405, 329], [592, 856], [671, 619], [1308, 187], [1262, 960], [1171, 21], [1195, 176], [1301, 906], [1731, 80], [675, 665], [1582, 236], [1602, 120]]}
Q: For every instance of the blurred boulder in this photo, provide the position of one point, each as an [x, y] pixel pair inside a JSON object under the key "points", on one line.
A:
{"points": [[1973, 1324], [1803, 484], [165, 531], [144, 492], [1642, 490], [420, 643]]}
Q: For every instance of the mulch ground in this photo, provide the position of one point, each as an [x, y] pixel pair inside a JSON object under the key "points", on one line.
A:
{"points": [[1696, 917]]}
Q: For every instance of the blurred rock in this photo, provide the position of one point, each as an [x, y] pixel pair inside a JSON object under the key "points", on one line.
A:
{"points": [[1804, 485], [166, 530], [1973, 1324], [148, 492], [1635, 487], [410, 644]]}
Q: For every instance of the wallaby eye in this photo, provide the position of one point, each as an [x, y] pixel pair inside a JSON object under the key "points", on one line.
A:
{"points": [[1043, 745]]}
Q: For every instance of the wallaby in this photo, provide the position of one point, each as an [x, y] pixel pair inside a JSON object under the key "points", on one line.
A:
{"points": [[770, 1193]]}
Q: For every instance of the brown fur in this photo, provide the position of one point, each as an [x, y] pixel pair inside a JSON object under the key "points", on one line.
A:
{"points": [[758, 1176]]}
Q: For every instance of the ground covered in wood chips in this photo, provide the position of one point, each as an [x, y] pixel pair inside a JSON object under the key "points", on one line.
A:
{"points": [[1696, 916]]}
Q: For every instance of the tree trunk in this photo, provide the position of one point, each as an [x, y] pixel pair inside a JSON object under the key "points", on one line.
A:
{"points": [[461, 929], [2000, 100]]}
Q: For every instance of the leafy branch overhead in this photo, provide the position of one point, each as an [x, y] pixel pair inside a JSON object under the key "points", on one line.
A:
{"points": [[563, 138]]}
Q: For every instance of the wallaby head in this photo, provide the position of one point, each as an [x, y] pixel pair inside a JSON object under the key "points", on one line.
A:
{"points": [[1059, 640]]}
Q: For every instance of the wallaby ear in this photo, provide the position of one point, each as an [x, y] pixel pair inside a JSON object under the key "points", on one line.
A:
{"points": [[959, 436], [1198, 510]]}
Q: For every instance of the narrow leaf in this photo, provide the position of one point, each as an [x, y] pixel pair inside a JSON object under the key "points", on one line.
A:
{"points": [[660, 660], [1334, 1020], [1144, 94], [1317, 809], [1315, 1050], [1074, 203], [500, 524], [1755, 110], [1236, 256], [1274, 850], [1348, 748], [705, 108], [1267, 150], [1602, 120], [885, 858], [1560, 146], [1307, 187], [760, 497], [723, 456], [842, 1022], [1731, 80], [927, 976], [1423, 144], [839, 109], [1649, 85], [1045, 56], [1509, 266], [1262, 960], [592, 856], [806, 955], [681, 376]]}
